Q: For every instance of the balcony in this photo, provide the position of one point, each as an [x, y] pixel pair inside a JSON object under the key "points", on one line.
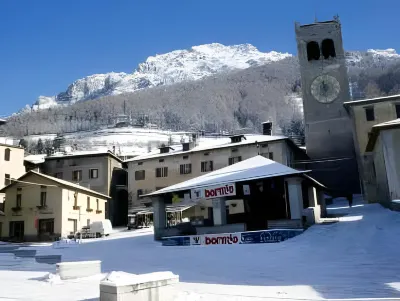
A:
{"points": [[16, 209]]}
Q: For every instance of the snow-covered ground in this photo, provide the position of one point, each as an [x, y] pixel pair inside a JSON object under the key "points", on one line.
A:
{"points": [[356, 258]]}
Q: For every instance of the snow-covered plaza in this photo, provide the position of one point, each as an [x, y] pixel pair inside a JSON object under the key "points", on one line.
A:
{"points": [[356, 258]]}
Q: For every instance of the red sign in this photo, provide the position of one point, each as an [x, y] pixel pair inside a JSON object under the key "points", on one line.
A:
{"points": [[219, 191]]}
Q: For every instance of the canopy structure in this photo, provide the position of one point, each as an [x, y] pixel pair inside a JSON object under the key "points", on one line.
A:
{"points": [[254, 168], [169, 208]]}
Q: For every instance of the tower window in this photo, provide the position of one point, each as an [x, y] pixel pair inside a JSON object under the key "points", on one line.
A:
{"points": [[313, 52], [328, 48], [370, 114]]}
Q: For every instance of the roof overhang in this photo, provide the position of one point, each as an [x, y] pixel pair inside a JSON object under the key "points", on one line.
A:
{"points": [[376, 129]]}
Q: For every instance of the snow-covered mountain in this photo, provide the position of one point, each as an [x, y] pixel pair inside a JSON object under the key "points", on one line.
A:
{"points": [[371, 58], [173, 67], [191, 64]]}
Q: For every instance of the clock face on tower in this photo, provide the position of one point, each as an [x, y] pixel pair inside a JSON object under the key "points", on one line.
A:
{"points": [[325, 88]]}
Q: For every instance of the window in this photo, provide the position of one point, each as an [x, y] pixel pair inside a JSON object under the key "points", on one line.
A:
{"points": [[97, 205], [233, 160], [162, 172], [59, 163], [59, 175], [370, 114], [185, 169], [93, 173], [77, 175], [313, 52], [7, 179], [268, 155], [398, 110], [234, 150], [19, 200], [88, 202], [75, 199], [88, 222], [46, 226], [161, 160], [185, 157], [140, 163], [7, 154], [43, 197], [139, 192], [139, 175], [206, 154], [206, 166], [328, 48]]}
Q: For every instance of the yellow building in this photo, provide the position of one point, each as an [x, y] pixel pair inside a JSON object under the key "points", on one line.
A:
{"points": [[366, 114], [11, 164], [41, 207]]}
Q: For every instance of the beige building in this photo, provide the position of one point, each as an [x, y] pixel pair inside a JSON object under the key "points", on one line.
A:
{"points": [[174, 164], [366, 114], [383, 183], [99, 171], [11, 164], [40, 207]]}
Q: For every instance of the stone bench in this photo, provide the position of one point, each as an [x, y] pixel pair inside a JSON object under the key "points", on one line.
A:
{"points": [[158, 286], [78, 269]]}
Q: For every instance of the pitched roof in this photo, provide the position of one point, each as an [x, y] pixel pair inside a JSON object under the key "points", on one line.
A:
{"points": [[222, 143], [59, 181], [392, 124], [83, 154], [257, 167]]}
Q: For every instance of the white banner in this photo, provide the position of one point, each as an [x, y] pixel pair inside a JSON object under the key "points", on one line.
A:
{"points": [[213, 192]]}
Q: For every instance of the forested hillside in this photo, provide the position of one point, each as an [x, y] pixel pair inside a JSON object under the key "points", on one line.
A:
{"points": [[224, 102]]}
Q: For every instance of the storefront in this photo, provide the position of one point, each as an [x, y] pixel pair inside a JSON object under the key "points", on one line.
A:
{"points": [[271, 194]]}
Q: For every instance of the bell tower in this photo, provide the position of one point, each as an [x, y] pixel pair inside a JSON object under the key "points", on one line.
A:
{"points": [[325, 87]]}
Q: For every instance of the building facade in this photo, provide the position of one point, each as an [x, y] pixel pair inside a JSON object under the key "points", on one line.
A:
{"points": [[366, 114], [99, 171], [11, 165], [40, 207], [325, 87], [383, 182], [171, 165]]}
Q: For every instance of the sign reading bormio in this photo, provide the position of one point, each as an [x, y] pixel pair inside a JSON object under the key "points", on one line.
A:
{"points": [[213, 192]]}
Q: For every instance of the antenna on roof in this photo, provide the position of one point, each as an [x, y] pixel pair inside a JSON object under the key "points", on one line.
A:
{"points": [[315, 17]]}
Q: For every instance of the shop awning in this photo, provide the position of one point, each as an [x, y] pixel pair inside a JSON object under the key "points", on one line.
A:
{"points": [[254, 168], [149, 210]]}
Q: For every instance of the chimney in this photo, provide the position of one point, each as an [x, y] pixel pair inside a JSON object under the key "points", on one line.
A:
{"points": [[113, 149], [237, 138], [267, 128]]}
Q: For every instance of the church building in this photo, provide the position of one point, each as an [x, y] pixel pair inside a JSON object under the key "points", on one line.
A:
{"points": [[325, 87]]}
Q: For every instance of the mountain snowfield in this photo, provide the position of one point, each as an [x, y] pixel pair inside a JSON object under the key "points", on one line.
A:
{"points": [[173, 67], [191, 64]]}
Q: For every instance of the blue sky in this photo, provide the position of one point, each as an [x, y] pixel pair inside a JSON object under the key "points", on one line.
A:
{"points": [[46, 44]]}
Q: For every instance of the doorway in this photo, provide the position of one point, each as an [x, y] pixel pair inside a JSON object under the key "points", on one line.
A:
{"points": [[120, 212], [17, 230]]}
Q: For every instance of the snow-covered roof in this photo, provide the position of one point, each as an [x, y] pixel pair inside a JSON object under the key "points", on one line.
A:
{"points": [[257, 167], [35, 159], [371, 100], [215, 144], [395, 122], [82, 154], [60, 181]]}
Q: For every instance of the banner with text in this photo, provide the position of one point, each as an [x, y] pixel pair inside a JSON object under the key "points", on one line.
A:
{"points": [[213, 192]]}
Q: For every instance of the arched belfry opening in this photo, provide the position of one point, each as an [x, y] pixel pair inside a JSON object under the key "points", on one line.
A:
{"points": [[313, 52], [328, 48]]}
